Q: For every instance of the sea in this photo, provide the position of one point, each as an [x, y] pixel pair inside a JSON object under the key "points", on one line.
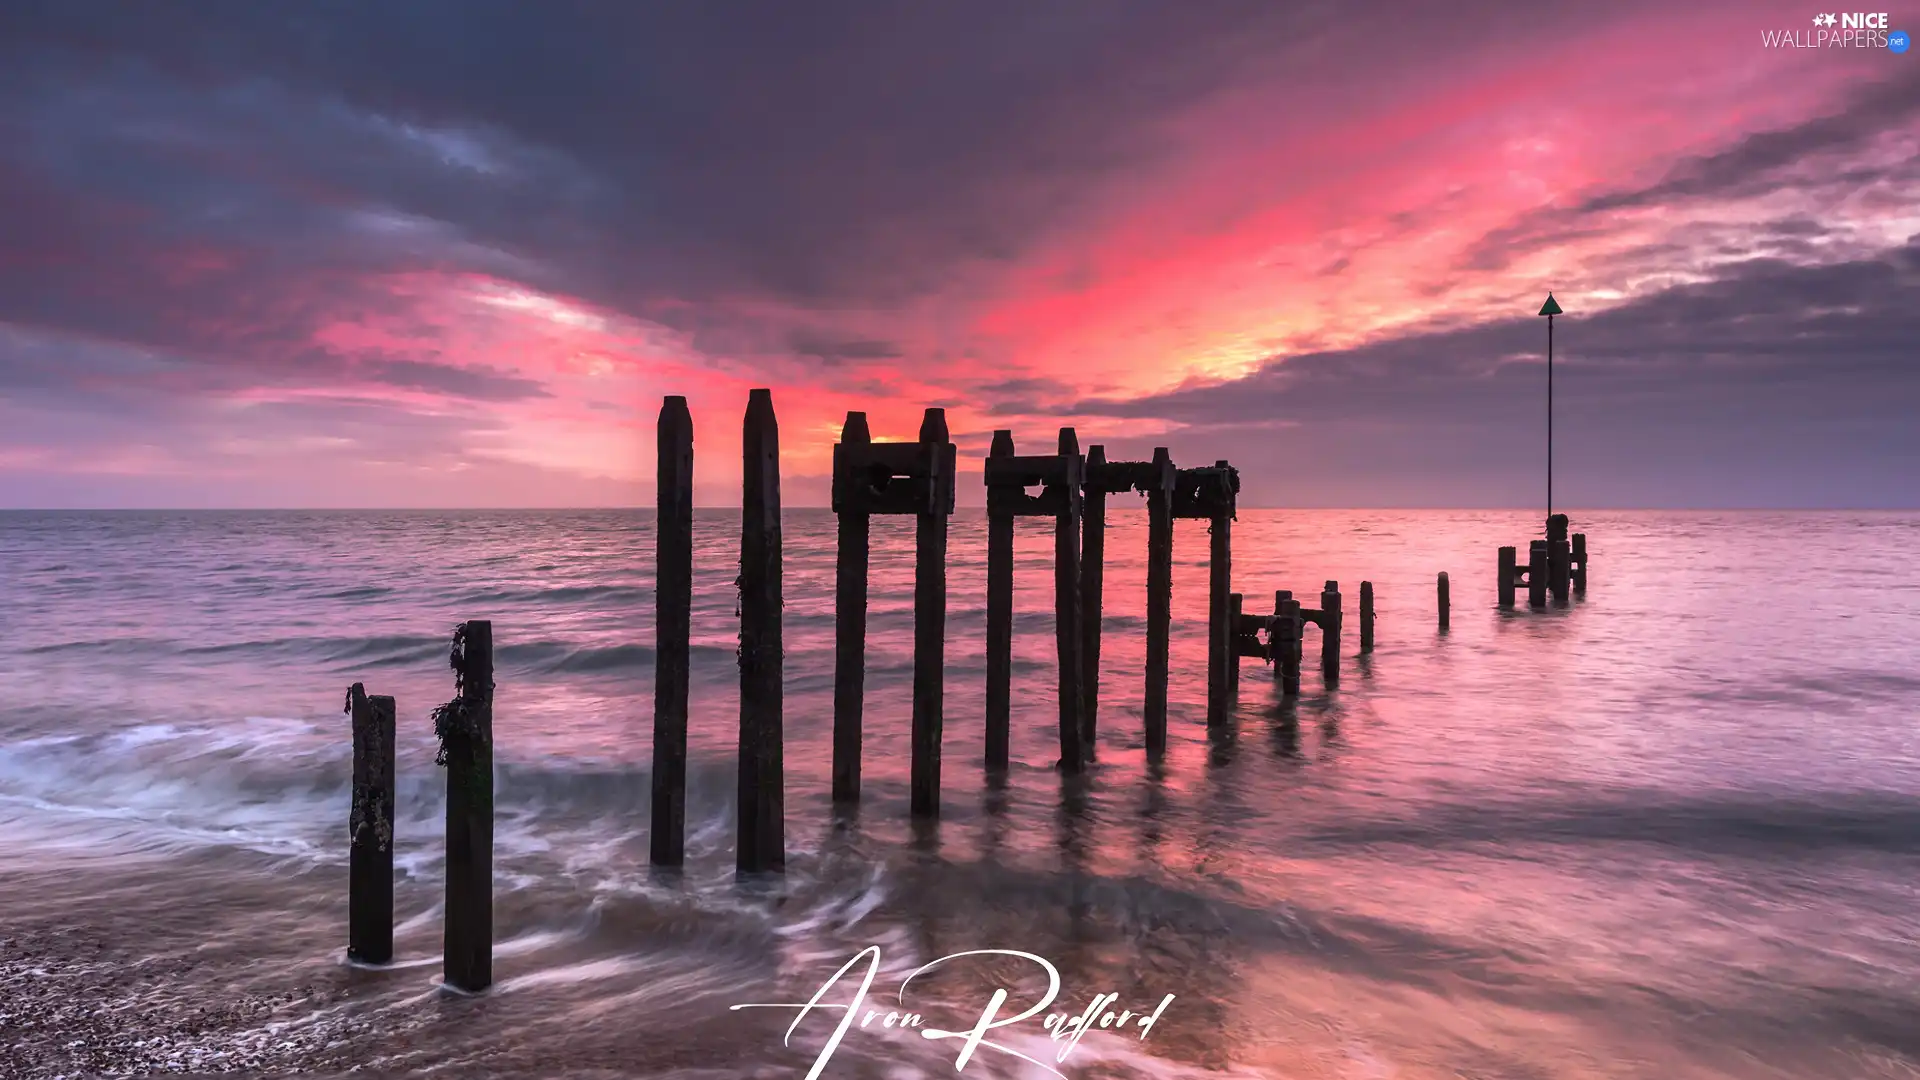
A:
{"points": [[1669, 828]]}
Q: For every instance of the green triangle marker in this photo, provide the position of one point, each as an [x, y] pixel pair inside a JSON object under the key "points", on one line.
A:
{"points": [[1550, 308]]}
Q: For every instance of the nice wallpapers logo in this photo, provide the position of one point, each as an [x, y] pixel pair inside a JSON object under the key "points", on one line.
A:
{"points": [[1849, 29]]}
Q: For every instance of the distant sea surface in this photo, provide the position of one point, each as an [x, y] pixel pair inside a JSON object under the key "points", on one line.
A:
{"points": [[1671, 829]]}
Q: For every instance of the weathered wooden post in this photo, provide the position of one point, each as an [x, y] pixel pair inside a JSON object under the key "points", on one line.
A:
{"points": [[672, 620], [1159, 596], [1295, 647], [761, 825], [1366, 616], [849, 612], [1559, 557], [465, 728], [1219, 624], [1579, 563], [1509, 570], [370, 829], [999, 617], [1445, 600], [1066, 604], [1093, 553], [1537, 574], [1330, 632], [1236, 606], [930, 612]]}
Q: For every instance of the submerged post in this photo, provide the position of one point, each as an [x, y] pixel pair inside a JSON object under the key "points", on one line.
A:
{"points": [[1559, 557], [1093, 550], [849, 619], [1159, 597], [761, 826], [1292, 647], [930, 614], [1366, 616], [1537, 574], [1509, 569], [1219, 625], [999, 619], [1330, 633], [1066, 604], [1580, 562], [672, 620], [370, 829], [1445, 600], [465, 728]]}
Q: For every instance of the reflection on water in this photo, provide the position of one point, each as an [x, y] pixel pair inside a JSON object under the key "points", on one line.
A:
{"points": [[1657, 831]]}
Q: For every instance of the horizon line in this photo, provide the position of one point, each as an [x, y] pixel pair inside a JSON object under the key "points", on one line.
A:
{"points": [[828, 508]]}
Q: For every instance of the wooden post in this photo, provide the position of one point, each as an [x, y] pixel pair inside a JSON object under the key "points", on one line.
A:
{"points": [[761, 843], [465, 727], [1290, 655], [1509, 568], [930, 618], [1580, 563], [1559, 557], [1236, 605], [1537, 574], [1219, 633], [850, 628], [673, 623], [1093, 550], [1066, 606], [370, 830], [1159, 597], [999, 621], [1445, 600], [1330, 633], [1366, 616]]}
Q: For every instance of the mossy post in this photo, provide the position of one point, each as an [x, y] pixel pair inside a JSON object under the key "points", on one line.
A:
{"points": [[761, 823], [1219, 622], [999, 620], [1066, 604], [1537, 574], [672, 620], [1366, 616], [930, 615], [1159, 597], [1093, 553], [370, 830], [1287, 632], [465, 727], [1509, 570], [850, 626], [1445, 599], [1330, 626]]}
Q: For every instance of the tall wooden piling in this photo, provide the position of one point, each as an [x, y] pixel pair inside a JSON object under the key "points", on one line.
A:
{"points": [[1559, 557], [672, 618], [1509, 569], [370, 829], [465, 728], [1093, 553], [1159, 597], [1366, 616], [999, 620], [1236, 606], [1219, 624], [1330, 633], [930, 615], [850, 623], [1579, 555], [761, 842], [1066, 605], [1537, 574], [1445, 600]]}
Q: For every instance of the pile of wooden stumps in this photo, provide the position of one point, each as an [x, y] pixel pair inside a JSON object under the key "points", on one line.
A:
{"points": [[1556, 565]]}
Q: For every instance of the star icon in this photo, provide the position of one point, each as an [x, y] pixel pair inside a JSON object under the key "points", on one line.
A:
{"points": [[1829, 18]]}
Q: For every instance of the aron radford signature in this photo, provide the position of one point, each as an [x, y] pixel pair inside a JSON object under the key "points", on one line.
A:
{"points": [[1061, 1026]]}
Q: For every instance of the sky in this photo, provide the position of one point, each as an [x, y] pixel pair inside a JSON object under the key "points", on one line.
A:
{"points": [[449, 253]]}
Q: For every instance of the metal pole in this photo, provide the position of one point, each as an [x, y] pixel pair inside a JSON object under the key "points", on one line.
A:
{"points": [[1549, 416]]}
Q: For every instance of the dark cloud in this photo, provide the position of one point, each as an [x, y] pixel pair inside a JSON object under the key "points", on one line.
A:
{"points": [[1775, 381]]}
